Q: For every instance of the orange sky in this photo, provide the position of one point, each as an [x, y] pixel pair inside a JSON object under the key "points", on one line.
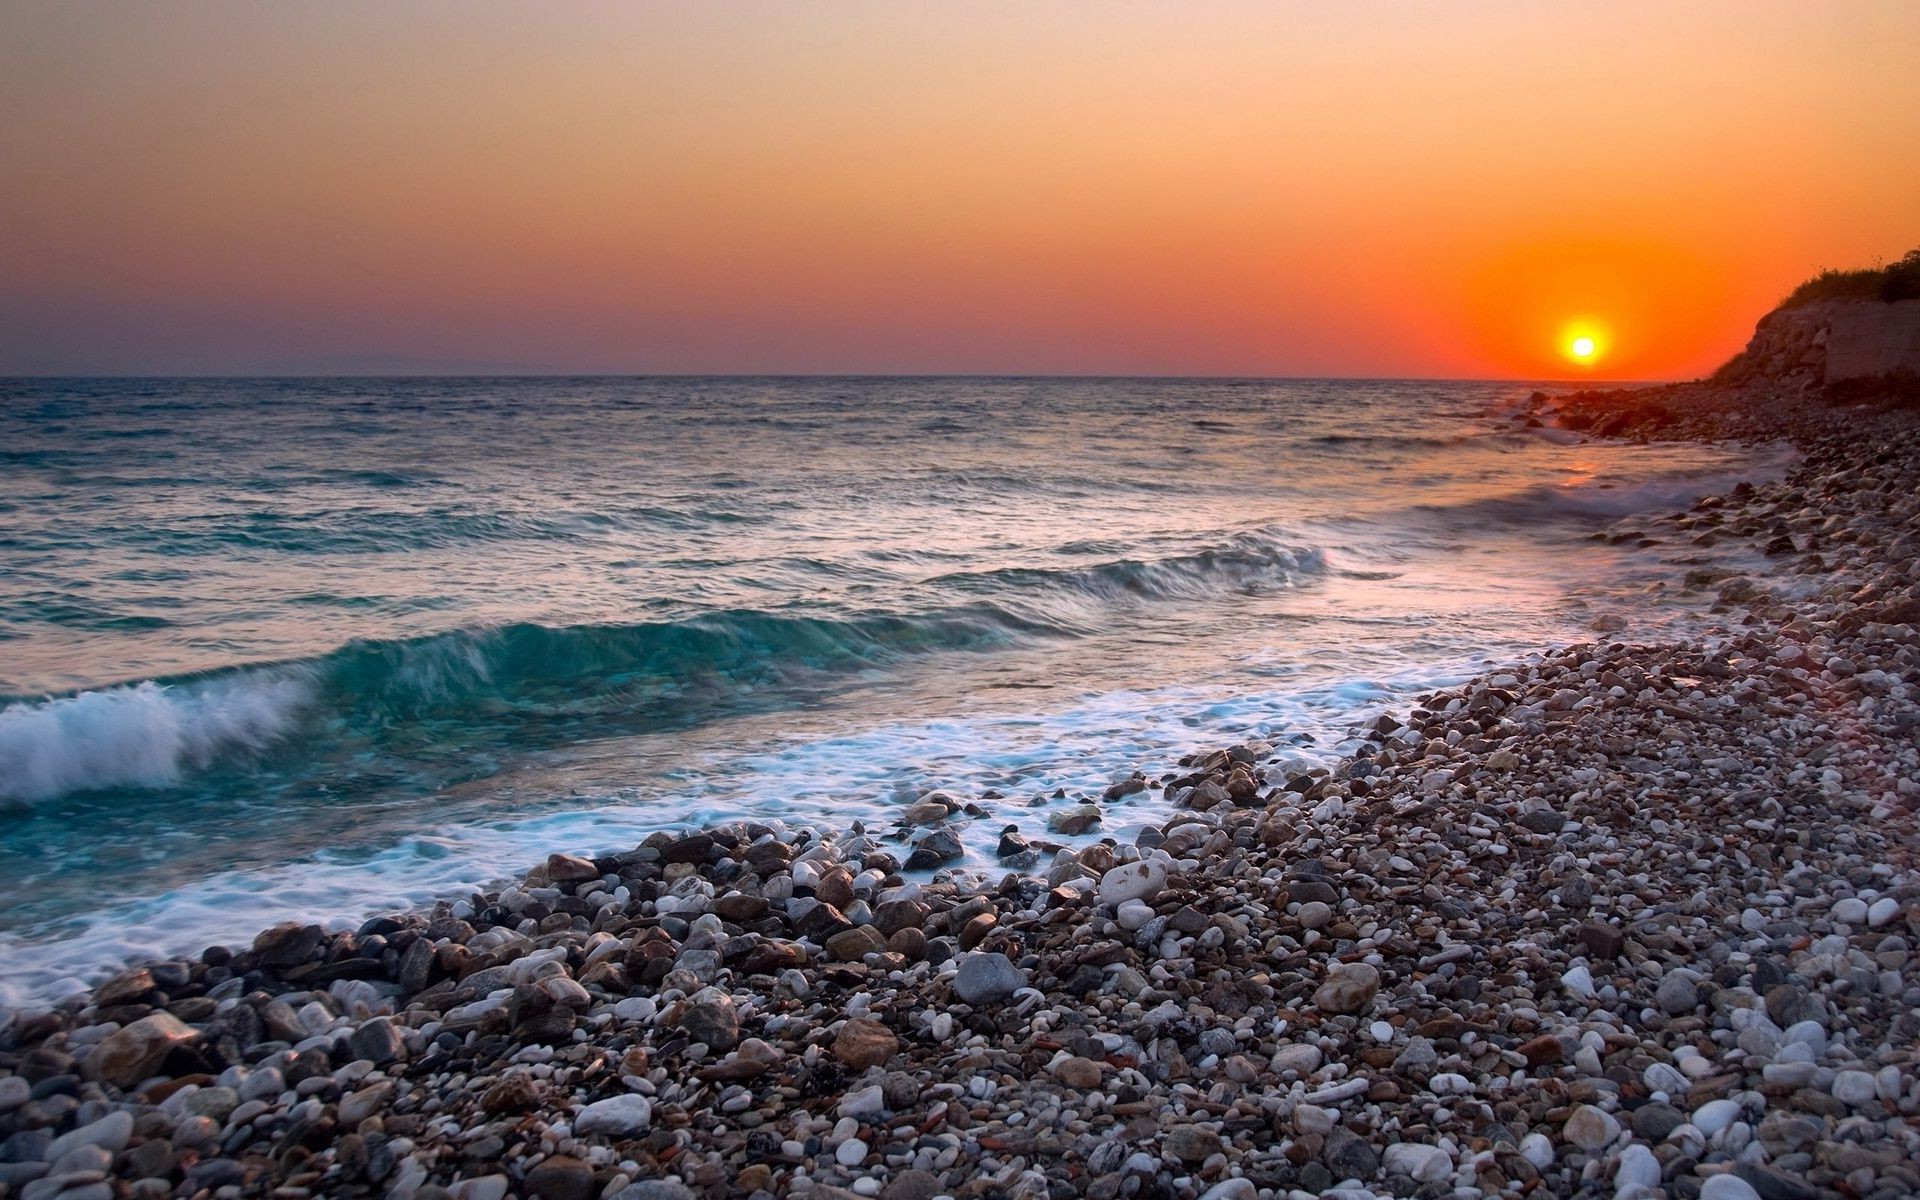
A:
{"points": [[1423, 189]]}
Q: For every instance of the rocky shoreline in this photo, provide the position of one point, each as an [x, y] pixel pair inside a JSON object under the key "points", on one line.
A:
{"points": [[1631, 920]]}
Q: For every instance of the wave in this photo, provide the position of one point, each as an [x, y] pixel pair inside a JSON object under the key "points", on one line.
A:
{"points": [[141, 736], [1254, 561], [472, 692], [1592, 500]]}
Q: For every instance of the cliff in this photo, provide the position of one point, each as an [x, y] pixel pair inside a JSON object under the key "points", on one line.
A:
{"points": [[1829, 341]]}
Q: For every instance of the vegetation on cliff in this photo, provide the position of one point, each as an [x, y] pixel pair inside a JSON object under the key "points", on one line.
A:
{"points": [[1896, 281]]}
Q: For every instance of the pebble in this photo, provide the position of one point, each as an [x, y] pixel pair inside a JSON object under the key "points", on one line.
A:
{"points": [[1140, 881], [1637, 1170], [1713, 1116], [618, 1116], [1424, 1164], [1591, 1128], [1727, 1187], [851, 1153], [1349, 988], [985, 977]]}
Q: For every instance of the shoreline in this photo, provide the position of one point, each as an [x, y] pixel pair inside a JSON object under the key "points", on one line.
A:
{"points": [[1630, 917]]}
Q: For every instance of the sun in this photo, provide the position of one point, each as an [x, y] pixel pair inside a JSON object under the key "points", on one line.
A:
{"points": [[1582, 343]]}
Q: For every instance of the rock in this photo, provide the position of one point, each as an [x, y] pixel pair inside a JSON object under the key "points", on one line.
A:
{"points": [[913, 1184], [1653, 1122], [110, 1133], [1423, 1164], [288, 944], [1190, 1143], [358, 1106], [1301, 1058], [1349, 1156], [740, 908], [1537, 1149], [1727, 1187], [1774, 1184], [125, 988], [851, 1153], [561, 1178], [1713, 1116], [1590, 1128], [853, 945], [1074, 821], [940, 846], [1315, 915], [377, 1041], [864, 1104], [708, 1017], [655, 1189], [1141, 881], [1849, 911], [863, 1043], [1637, 1168], [1081, 1074], [482, 1187], [618, 1116], [567, 868], [1676, 995], [134, 1053], [986, 977], [1854, 1088], [1579, 981], [215, 1102], [1882, 912], [1543, 820], [1601, 941], [1349, 988]]}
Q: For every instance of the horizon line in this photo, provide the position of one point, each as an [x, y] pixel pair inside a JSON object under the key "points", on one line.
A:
{"points": [[199, 377]]}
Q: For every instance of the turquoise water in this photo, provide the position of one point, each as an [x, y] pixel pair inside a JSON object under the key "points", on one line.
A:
{"points": [[319, 647]]}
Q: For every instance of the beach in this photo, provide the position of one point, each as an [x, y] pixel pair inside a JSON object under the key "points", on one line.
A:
{"points": [[1615, 917]]}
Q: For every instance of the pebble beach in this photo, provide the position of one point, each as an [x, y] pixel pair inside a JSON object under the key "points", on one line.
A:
{"points": [[1621, 920]]}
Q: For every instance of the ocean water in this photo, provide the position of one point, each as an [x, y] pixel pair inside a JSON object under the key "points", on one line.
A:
{"points": [[319, 648]]}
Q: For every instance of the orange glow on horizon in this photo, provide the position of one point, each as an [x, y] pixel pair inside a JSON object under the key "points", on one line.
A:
{"points": [[1230, 188]]}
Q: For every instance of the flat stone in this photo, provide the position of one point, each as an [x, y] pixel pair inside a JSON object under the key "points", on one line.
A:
{"points": [[1143, 881], [1423, 1164], [1349, 988], [110, 1133], [984, 977], [132, 1054], [568, 868], [864, 1043], [1082, 1074], [618, 1116], [1590, 1128], [561, 1178], [377, 1041], [1349, 1156], [1601, 941]]}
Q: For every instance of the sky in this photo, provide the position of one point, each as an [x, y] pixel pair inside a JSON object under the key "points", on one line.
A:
{"points": [[1444, 189]]}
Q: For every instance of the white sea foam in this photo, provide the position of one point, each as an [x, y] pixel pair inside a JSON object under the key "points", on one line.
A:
{"points": [[827, 775], [141, 735]]}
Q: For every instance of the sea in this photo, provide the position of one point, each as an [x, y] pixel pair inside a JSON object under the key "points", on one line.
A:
{"points": [[316, 649]]}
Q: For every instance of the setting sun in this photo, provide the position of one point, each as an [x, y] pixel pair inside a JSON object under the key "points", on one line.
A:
{"points": [[1582, 343]]}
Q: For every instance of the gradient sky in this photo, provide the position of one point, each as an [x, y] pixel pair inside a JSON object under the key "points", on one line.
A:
{"points": [[1420, 189]]}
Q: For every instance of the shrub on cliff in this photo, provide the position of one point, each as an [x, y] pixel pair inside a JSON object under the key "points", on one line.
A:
{"points": [[1897, 281]]}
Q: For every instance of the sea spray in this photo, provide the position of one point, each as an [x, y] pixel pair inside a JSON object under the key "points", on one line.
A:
{"points": [[141, 736]]}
